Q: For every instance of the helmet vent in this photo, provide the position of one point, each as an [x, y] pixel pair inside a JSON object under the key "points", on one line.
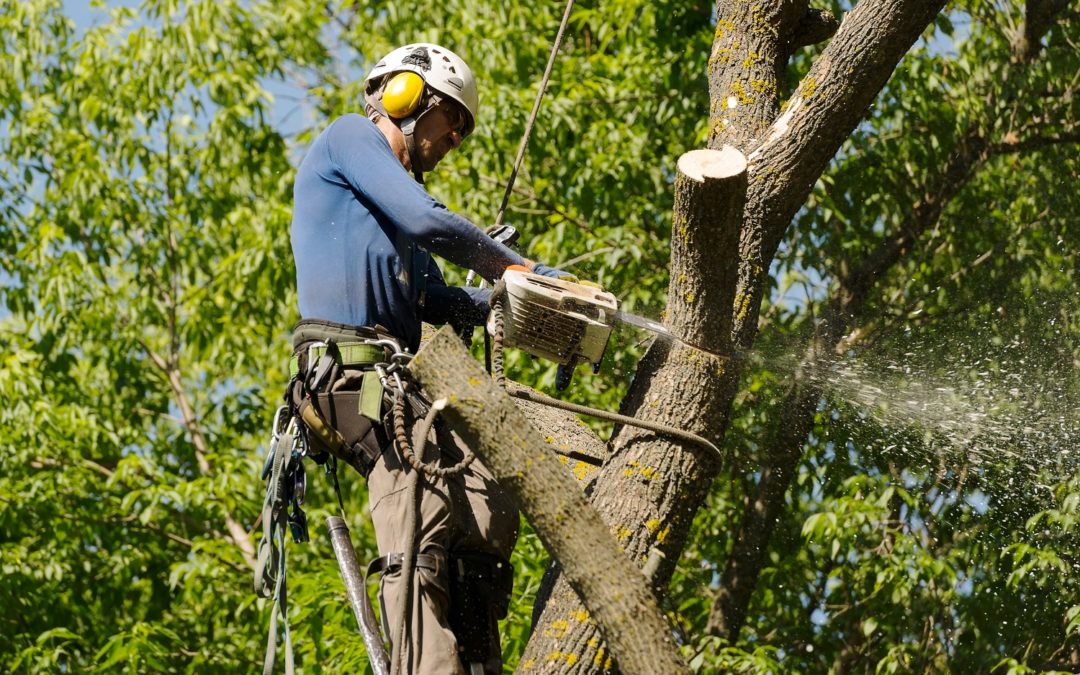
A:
{"points": [[456, 83]]}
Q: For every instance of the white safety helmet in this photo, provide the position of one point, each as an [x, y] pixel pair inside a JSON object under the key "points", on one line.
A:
{"points": [[405, 98]]}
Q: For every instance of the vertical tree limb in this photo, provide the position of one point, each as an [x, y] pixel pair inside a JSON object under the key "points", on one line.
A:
{"points": [[650, 489]]}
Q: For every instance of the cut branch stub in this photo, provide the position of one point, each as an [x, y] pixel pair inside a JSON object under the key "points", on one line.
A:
{"points": [[710, 191], [612, 589]]}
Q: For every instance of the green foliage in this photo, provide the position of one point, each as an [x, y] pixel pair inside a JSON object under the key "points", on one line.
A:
{"points": [[145, 194]]}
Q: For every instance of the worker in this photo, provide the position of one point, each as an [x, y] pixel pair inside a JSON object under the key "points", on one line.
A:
{"points": [[363, 235]]}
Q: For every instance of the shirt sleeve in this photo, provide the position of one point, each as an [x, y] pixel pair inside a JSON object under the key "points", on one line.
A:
{"points": [[362, 156], [454, 305]]}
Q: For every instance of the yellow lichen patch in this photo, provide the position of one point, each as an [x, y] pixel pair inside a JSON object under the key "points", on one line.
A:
{"points": [[751, 57], [569, 657], [653, 525], [549, 439], [722, 27], [581, 616], [473, 381], [690, 297], [621, 532], [761, 86], [739, 92], [742, 307], [631, 468], [648, 472], [599, 658], [720, 56], [564, 459], [809, 88], [662, 535], [557, 629], [581, 470], [528, 665]]}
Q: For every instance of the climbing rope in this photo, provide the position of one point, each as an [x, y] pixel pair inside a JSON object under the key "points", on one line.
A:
{"points": [[402, 437], [535, 111]]}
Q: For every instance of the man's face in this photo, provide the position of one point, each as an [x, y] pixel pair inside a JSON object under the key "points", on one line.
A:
{"points": [[438, 132]]}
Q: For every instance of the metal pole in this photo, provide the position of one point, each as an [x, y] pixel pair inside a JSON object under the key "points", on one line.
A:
{"points": [[358, 597]]}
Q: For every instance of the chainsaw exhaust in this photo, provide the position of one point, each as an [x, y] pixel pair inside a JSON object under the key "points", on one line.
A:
{"points": [[358, 597]]}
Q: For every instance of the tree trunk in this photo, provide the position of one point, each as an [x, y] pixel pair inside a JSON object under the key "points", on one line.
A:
{"points": [[650, 489], [616, 598]]}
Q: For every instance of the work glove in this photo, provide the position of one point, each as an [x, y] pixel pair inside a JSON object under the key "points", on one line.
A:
{"points": [[554, 273]]}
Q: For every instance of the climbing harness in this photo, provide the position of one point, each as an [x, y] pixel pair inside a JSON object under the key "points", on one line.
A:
{"points": [[336, 371], [306, 427]]}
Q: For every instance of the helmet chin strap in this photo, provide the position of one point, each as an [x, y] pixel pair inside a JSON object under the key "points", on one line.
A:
{"points": [[408, 126]]}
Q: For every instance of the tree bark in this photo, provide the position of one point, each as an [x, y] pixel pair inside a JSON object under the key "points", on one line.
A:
{"points": [[575, 443], [496, 430]]}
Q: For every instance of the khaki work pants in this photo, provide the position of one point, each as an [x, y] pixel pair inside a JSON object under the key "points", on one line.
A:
{"points": [[468, 513]]}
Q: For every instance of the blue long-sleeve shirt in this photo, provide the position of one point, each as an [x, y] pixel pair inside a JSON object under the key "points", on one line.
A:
{"points": [[361, 232]]}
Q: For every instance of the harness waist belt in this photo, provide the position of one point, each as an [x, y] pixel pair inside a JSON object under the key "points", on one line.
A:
{"points": [[352, 354]]}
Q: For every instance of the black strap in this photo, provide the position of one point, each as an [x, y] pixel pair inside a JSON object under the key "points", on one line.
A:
{"points": [[391, 563]]}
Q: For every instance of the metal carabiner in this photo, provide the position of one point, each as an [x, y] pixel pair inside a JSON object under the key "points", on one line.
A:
{"points": [[280, 421], [300, 445], [385, 343]]}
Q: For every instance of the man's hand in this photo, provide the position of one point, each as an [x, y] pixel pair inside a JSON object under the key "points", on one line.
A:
{"points": [[554, 273]]}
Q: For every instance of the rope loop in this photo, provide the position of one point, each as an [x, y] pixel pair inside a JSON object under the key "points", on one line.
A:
{"points": [[401, 435]]}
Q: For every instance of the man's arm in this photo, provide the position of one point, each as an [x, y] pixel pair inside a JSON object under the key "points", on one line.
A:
{"points": [[361, 154], [454, 305]]}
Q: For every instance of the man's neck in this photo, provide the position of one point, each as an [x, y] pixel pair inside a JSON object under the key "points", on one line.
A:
{"points": [[396, 139]]}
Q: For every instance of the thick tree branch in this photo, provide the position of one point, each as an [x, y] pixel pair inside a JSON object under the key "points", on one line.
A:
{"points": [[710, 190], [819, 117], [567, 436], [817, 25], [606, 580]]}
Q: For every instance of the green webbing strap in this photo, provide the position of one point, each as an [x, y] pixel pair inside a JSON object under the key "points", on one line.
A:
{"points": [[371, 396], [352, 354], [281, 605], [270, 564]]}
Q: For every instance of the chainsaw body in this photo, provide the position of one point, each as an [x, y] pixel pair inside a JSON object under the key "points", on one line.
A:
{"points": [[562, 321]]}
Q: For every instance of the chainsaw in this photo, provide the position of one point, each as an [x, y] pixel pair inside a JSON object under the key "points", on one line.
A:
{"points": [[562, 321]]}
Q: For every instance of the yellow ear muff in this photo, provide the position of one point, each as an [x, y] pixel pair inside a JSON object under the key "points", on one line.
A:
{"points": [[402, 94]]}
